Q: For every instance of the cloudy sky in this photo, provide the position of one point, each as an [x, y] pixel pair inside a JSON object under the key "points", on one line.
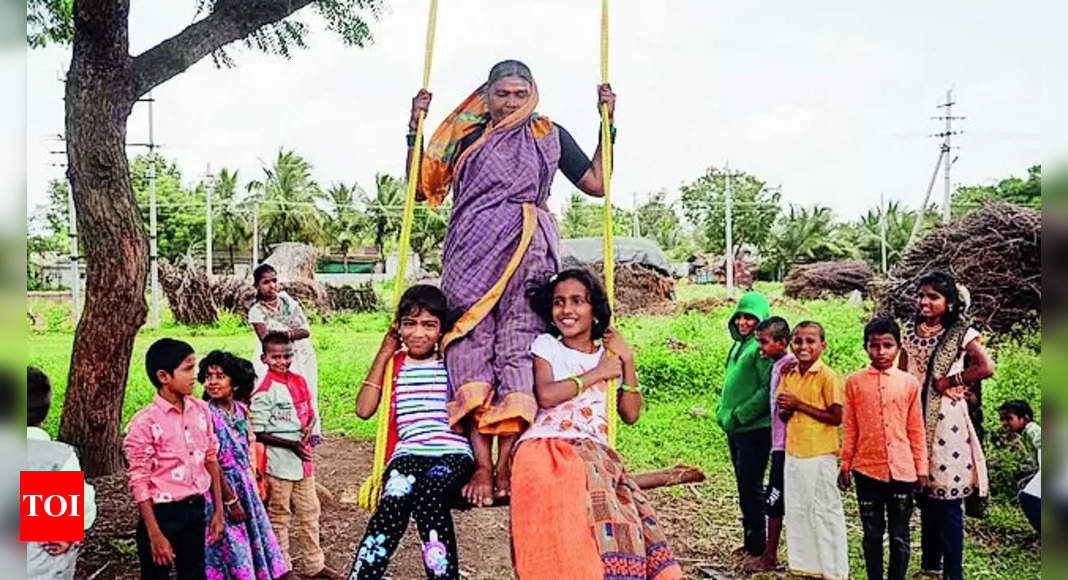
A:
{"points": [[831, 99]]}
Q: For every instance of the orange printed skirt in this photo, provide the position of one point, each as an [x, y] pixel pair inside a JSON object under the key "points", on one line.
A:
{"points": [[577, 514]]}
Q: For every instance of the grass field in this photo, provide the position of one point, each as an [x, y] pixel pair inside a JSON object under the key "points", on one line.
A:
{"points": [[683, 378]]}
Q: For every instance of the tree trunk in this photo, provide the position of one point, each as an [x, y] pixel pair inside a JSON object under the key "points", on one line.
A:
{"points": [[99, 97], [233, 266]]}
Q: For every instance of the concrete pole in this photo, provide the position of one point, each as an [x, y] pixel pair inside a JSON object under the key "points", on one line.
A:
{"points": [[946, 213], [882, 228], [75, 263], [637, 223], [729, 234], [209, 255], [153, 240], [255, 235]]}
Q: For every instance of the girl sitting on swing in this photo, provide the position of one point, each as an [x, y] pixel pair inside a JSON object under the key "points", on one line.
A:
{"points": [[427, 461], [576, 512]]}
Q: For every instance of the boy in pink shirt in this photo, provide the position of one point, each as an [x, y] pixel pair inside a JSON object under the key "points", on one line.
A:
{"points": [[171, 450]]}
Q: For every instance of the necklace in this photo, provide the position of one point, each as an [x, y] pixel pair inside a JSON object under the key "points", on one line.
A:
{"points": [[930, 329], [592, 348]]}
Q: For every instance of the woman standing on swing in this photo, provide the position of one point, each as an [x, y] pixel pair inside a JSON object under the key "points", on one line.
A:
{"points": [[499, 157]]}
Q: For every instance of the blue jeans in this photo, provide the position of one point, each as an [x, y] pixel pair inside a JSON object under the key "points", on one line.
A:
{"points": [[750, 451], [942, 537]]}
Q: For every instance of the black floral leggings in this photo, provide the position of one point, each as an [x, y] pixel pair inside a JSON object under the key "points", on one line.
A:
{"points": [[419, 487]]}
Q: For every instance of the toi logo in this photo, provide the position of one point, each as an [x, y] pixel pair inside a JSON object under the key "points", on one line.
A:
{"points": [[52, 506]]}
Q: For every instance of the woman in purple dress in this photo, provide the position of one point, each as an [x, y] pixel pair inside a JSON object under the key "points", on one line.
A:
{"points": [[248, 548], [498, 157]]}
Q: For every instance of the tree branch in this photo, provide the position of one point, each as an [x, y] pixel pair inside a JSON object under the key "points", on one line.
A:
{"points": [[230, 20]]}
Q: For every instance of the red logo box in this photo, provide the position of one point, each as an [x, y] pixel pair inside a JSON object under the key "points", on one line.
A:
{"points": [[51, 506]]}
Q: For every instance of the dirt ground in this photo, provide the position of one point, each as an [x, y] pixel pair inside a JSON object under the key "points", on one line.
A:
{"points": [[341, 465]]}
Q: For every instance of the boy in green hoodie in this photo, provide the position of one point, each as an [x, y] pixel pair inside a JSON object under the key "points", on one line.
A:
{"points": [[744, 414]]}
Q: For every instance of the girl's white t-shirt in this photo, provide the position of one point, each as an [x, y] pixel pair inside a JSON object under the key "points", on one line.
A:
{"points": [[582, 417]]}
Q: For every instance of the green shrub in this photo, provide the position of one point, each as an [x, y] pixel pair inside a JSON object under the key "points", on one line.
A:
{"points": [[1009, 463]]}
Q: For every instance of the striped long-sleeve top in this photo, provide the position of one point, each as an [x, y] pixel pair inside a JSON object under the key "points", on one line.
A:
{"points": [[422, 419]]}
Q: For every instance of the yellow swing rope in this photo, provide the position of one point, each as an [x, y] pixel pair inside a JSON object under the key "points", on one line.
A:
{"points": [[371, 490], [611, 402]]}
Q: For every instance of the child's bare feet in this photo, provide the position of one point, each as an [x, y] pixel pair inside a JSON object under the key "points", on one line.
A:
{"points": [[479, 490]]}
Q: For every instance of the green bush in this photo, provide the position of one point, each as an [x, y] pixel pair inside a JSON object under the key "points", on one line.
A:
{"points": [[1009, 463], [1017, 364]]}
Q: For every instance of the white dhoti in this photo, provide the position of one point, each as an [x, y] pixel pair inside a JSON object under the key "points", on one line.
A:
{"points": [[814, 520]]}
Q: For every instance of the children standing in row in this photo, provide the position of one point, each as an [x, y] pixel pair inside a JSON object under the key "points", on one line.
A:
{"points": [[283, 419], [810, 400], [883, 448]]}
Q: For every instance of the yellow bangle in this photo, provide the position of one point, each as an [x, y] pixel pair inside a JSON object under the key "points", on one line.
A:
{"points": [[372, 385], [579, 383]]}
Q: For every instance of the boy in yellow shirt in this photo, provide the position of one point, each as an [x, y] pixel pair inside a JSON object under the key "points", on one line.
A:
{"points": [[810, 399]]}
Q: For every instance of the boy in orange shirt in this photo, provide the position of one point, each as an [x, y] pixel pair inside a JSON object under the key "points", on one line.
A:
{"points": [[884, 445], [810, 400]]}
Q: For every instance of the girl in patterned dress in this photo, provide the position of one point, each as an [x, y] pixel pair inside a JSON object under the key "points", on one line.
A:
{"points": [[576, 512], [248, 548], [428, 461], [937, 344]]}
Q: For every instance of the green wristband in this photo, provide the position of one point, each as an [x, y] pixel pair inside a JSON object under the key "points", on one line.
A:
{"points": [[579, 383]]}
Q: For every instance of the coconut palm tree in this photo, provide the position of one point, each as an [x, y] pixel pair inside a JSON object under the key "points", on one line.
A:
{"points": [[428, 233], [344, 221], [865, 234], [230, 225], [288, 198], [803, 235], [574, 223], [385, 209]]}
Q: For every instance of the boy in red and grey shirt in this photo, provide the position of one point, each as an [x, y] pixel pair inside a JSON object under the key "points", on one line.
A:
{"points": [[283, 419]]}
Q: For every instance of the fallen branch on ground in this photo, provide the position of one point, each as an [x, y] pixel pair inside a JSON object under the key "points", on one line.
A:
{"points": [[678, 475]]}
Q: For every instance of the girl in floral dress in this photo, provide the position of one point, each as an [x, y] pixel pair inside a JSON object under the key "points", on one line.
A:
{"points": [[248, 548], [937, 344]]}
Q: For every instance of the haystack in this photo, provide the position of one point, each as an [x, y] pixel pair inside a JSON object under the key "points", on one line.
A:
{"points": [[823, 279], [995, 251]]}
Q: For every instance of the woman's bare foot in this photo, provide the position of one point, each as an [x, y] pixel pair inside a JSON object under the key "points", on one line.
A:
{"points": [[502, 480], [479, 490]]}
